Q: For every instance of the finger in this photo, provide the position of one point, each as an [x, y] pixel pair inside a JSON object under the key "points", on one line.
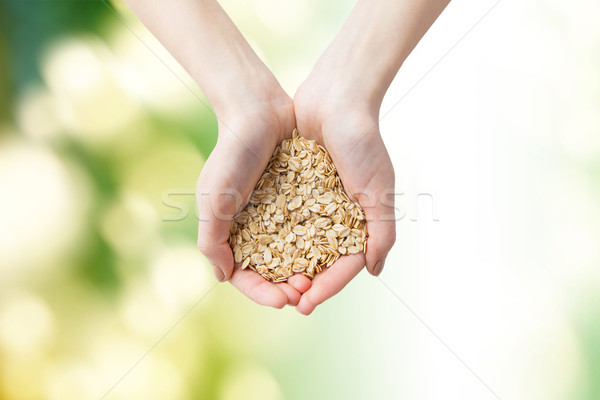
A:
{"points": [[293, 296], [330, 282], [299, 282], [256, 288]]}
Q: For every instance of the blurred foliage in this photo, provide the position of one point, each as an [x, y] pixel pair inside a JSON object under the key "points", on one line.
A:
{"points": [[30, 25], [587, 325], [113, 280]]}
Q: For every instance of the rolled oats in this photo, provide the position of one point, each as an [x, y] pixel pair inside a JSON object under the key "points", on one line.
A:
{"points": [[298, 219]]}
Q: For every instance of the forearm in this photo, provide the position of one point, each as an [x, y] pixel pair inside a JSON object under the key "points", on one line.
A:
{"points": [[375, 41], [200, 35]]}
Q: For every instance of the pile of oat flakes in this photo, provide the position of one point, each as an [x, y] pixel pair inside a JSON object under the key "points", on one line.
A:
{"points": [[298, 219]]}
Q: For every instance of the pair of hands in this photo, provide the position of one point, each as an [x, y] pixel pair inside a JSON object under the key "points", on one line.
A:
{"points": [[347, 126], [337, 105]]}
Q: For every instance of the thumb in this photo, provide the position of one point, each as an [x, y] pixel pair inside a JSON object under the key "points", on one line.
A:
{"points": [[381, 227], [220, 194], [225, 183], [215, 210]]}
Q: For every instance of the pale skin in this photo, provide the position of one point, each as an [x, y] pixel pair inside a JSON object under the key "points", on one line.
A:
{"points": [[337, 105]]}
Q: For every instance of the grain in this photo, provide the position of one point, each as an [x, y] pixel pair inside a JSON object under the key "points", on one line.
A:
{"points": [[299, 220]]}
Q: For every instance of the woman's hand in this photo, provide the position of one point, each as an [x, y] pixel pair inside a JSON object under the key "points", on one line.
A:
{"points": [[347, 127], [338, 105], [254, 114], [248, 133]]}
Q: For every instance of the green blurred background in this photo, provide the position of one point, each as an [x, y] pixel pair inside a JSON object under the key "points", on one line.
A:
{"points": [[102, 134]]}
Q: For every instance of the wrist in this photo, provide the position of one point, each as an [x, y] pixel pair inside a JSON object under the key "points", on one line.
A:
{"points": [[231, 75], [242, 92], [323, 97], [257, 106], [348, 83]]}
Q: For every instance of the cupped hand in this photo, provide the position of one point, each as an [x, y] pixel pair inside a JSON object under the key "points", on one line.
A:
{"points": [[348, 128], [248, 135]]}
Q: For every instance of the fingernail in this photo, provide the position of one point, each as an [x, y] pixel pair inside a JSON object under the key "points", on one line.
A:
{"points": [[378, 267], [218, 273]]}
